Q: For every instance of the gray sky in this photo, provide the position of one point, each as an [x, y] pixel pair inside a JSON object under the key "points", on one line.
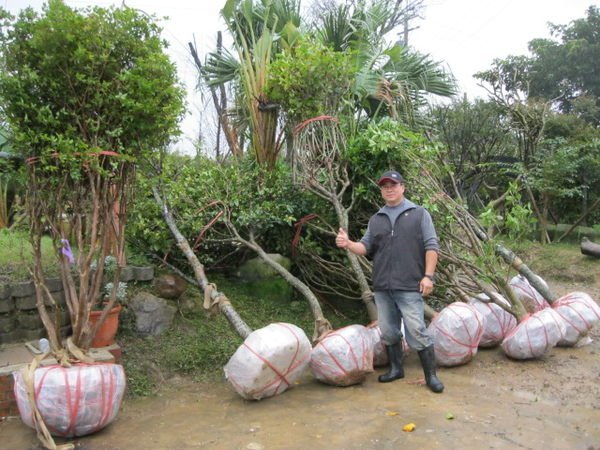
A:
{"points": [[465, 34]]}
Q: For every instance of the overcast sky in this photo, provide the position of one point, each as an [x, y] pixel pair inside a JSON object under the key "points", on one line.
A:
{"points": [[466, 35]]}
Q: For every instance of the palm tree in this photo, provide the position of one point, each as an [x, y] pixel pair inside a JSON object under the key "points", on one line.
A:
{"points": [[259, 31], [390, 78]]}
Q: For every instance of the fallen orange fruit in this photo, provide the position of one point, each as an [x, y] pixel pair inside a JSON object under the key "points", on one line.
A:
{"points": [[409, 427]]}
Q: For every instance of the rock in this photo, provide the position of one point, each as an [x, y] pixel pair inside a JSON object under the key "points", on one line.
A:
{"points": [[127, 274], [170, 286], [263, 281], [143, 273], [153, 315], [256, 269]]}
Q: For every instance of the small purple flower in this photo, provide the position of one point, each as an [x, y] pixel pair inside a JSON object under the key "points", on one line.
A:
{"points": [[66, 250]]}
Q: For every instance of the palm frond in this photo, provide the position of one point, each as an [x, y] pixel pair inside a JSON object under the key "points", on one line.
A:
{"points": [[220, 68]]}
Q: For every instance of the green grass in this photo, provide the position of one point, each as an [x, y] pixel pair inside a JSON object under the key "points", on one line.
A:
{"points": [[561, 261], [15, 256]]}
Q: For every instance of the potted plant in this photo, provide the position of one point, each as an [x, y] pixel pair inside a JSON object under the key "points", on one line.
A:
{"points": [[106, 331], [88, 95]]}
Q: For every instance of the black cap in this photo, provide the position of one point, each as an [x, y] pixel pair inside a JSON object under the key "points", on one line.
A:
{"points": [[390, 175]]}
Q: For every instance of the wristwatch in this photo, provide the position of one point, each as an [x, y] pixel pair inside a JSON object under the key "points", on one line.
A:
{"points": [[431, 277]]}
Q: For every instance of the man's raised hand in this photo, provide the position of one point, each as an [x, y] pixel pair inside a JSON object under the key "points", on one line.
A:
{"points": [[341, 240]]}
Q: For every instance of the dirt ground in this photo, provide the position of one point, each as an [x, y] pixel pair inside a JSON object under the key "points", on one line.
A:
{"points": [[491, 403]]}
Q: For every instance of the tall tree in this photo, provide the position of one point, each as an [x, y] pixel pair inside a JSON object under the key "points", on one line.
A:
{"points": [[390, 78], [479, 146], [88, 95], [566, 68], [259, 29]]}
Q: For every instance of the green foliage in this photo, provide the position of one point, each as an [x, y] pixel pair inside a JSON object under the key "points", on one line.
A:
{"points": [[565, 68], [75, 83], [557, 149], [568, 174], [560, 70], [88, 95], [16, 256], [383, 145], [264, 202], [568, 126], [478, 145], [515, 220], [510, 75], [309, 80], [11, 182]]}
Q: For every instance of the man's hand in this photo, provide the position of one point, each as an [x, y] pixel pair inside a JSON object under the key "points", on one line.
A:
{"points": [[426, 286], [341, 240]]}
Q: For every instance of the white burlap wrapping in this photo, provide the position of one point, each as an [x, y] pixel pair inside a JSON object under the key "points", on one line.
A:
{"points": [[580, 313], [343, 357], [380, 357], [73, 401], [532, 300], [498, 322], [535, 335], [270, 361], [456, 332]]}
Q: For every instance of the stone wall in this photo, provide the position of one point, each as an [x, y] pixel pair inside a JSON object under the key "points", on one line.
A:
{"points": [[19, 319]]}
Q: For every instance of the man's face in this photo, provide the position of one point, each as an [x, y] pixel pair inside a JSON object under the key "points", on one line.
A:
{"points": [[392, 193]]}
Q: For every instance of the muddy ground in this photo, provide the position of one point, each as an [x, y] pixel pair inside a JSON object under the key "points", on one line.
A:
{"points": [[491, 403]]}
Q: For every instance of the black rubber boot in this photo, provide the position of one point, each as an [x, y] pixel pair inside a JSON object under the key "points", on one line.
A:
{"points": [[427, 357], [396, 371]]}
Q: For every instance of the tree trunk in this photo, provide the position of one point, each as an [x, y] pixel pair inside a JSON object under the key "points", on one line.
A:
{"points": [[220, 104], [516, 262], [322, 325], [590, 248], [365, 291], [212, 295], [578, 221]]}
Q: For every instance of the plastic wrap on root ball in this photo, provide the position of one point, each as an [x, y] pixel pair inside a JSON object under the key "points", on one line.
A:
{"points": [[343, 357], [380, 357], [535, 335], [580, 313], [270, 361], [498, 322], [532, 300], [73, 401], [456, 332]]}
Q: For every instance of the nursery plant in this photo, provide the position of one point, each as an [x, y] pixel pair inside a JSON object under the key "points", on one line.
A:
{"points": [[88, 95]]}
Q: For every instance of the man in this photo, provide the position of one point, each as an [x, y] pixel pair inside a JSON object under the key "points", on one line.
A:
{"points": [[402, 242]]}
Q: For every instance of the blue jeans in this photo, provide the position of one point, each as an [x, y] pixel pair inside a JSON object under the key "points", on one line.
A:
{"points": [[394, 306]]}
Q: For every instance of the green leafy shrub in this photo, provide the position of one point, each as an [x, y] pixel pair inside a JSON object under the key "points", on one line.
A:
{"points": [[200, 191], [310, 79]]}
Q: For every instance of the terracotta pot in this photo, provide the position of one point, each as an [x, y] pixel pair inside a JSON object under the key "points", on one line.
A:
{"points": [[105, 335]]}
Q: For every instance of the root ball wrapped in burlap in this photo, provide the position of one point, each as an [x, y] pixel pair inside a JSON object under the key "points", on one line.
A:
{"points": [[343, 357], [498, 322], [270, 361], [456, 332], [534, 335], [73, 401], [532, 300], [580, 313]]}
